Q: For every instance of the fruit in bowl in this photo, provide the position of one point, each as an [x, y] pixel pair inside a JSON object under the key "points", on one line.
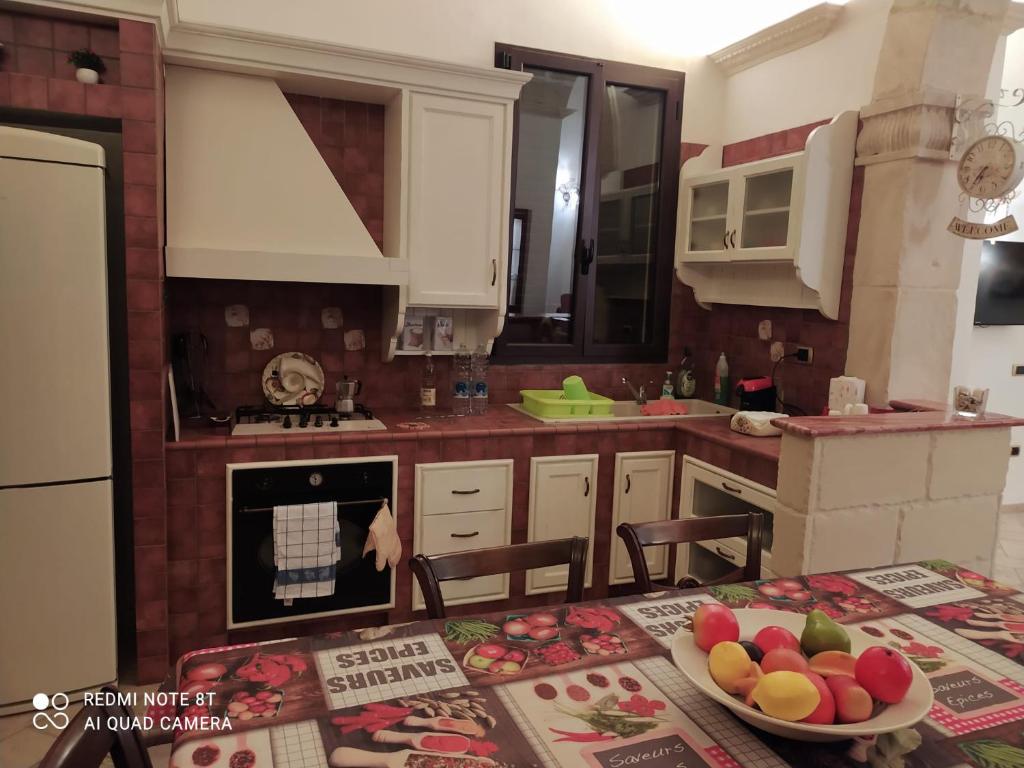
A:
{"points": [[768, 679], [495, 659]]}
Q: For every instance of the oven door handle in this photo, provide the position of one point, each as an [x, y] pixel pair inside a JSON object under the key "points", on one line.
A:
{"points": [[465, 493], [465, 535]]}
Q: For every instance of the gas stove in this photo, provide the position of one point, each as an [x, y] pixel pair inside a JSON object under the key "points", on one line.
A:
{"points": [[284, 419]]}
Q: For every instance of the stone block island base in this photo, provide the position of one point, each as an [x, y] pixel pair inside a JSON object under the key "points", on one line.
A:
{"points": [[862, 491]]}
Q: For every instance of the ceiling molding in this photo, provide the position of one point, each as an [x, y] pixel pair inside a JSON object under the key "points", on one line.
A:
{"points": [[788, 35]]}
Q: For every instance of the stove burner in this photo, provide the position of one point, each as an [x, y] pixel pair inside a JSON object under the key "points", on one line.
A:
{"points": [[290, 415]]}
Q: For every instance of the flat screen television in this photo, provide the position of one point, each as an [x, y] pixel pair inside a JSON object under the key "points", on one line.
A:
{"points": [[1000, 298]]}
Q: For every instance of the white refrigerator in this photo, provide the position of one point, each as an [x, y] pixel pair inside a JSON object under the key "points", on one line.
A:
{"points": [[57, 614]]}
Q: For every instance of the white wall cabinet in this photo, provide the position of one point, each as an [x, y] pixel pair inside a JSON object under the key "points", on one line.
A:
{"points": [[771, 232], [563, 502], [707, 491], [643, 494], [458, 186], [462, 505]]}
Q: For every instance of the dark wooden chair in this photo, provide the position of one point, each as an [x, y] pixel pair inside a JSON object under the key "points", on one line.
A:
{"points": [[431, 571], [79, 747], [693, 529]]}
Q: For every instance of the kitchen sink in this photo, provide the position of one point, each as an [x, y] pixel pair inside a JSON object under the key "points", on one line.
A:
{"points": [[628, 410]]}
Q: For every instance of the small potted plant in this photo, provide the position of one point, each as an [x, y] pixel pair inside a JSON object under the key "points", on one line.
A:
{"points": [[88, 65]]}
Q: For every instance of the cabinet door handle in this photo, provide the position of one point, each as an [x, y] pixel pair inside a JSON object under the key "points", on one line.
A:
{"points": [[494, 271], [586, 256], [629, 482], [732, 239], [725, 239], [731, 489], [726, 554], [465, 535], [465, 493], [586, 486]]}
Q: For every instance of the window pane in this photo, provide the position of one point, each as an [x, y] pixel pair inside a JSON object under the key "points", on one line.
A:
{"points": [[629, 162], [552, 123]]}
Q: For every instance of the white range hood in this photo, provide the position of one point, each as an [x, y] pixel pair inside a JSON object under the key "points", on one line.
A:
{"points": [[249, 195]]}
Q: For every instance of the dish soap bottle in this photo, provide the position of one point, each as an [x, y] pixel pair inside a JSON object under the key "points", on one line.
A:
{"points": [[686, 381], [722, 380], [666, 387]]}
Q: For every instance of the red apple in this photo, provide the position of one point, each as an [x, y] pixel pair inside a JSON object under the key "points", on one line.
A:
{"points": [[770, 590], [884, 673], [799, 596], [490, 651], [825, 714], [853, 703], [783, 659], [515, 655], [208, 671], [714, 623], [772, 637], [541, 620]]}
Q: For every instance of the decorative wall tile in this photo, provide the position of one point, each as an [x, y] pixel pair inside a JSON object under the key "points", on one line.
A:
{"points": [[236, 316], [331, 318], [355, 340], [261, 339]]}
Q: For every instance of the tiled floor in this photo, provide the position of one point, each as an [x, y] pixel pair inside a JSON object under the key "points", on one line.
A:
{"points": [[1009, 565], [23, 746]]}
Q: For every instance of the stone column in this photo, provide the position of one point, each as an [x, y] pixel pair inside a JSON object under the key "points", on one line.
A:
{"points": [[907, 269]]}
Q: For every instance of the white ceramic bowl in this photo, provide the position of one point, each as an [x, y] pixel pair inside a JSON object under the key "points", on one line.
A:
{"points": [[693, 662]]}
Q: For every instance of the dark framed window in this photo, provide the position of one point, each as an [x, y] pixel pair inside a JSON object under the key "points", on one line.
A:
{"points": [[595, 180]]}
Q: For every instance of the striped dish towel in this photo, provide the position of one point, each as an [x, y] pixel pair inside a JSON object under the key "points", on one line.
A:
{"points": [[306, 549]]}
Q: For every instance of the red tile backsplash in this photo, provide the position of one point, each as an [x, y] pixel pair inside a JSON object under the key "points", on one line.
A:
{"points": [[38, 45]]}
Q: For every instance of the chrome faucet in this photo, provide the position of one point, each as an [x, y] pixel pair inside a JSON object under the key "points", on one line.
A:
{"points": [[640, 395]]}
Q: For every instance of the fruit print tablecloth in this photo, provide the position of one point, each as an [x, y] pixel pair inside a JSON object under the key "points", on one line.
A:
{"points": [[535, 688]]}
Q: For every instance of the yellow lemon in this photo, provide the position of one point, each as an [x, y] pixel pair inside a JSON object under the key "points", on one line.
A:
{"points": [[786, 695], [728, 662]]}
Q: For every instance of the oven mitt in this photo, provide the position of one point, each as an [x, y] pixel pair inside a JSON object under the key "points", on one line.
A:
{"points": [[383, 537]]}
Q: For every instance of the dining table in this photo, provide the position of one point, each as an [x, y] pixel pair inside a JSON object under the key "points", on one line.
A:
{"points": [[593, 684]]}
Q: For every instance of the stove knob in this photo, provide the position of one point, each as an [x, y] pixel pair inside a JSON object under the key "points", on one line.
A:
{"points": [[287, 423], [334, 421], [319, 421], [303, 423]]}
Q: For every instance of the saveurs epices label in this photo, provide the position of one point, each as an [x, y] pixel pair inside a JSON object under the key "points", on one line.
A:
{"points": [[387, 669], [661, 619], [914, 586]]}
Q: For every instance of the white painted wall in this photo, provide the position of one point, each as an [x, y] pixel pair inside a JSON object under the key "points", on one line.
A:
{"points": [[812, 83], [982, 356]]}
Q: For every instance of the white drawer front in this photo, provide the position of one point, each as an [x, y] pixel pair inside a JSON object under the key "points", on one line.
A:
{"points": [[446, 489], [460, 532]]}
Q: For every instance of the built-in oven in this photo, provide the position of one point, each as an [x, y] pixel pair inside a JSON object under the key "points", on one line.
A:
{"points": [[359, 486]]}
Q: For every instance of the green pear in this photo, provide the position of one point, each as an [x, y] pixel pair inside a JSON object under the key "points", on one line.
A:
{"points": [[822, 634]]}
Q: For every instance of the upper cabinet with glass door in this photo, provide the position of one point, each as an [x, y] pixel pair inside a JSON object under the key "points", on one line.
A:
{"points": [[741, 213], [788, 214]]}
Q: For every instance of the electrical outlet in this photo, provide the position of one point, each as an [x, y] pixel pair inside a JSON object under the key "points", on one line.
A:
{"points": [[777, 351], [1015, 450], [804, 355], [1017, 369]]}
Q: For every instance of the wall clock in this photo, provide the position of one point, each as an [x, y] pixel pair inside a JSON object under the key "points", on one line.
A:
{"points": [[988, 173], [991, 167]]}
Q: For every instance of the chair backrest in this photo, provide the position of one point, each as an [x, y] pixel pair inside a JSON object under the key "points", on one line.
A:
{"points": [[81, 747], [692, 529], [431, 571]]}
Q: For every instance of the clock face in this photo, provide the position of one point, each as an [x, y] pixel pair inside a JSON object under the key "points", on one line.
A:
{"points": [[990, 167]]}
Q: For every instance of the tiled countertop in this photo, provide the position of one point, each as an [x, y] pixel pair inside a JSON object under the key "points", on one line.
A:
{"points": [[909, 416], [499, 421]]}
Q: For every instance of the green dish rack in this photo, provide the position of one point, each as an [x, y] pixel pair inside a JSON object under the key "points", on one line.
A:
{"points": [[552, 404]]}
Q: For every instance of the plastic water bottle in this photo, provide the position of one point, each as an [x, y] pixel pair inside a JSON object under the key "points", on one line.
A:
{"points": [[462, 375], [722, 380], [479, 375]]}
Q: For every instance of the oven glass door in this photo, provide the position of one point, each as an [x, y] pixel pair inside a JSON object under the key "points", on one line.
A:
{"points": [[357, 487]]}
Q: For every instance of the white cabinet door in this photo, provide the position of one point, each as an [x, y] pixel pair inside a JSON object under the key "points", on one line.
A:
{"points": [[563, 499], [459, 162], [643, 494]]}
